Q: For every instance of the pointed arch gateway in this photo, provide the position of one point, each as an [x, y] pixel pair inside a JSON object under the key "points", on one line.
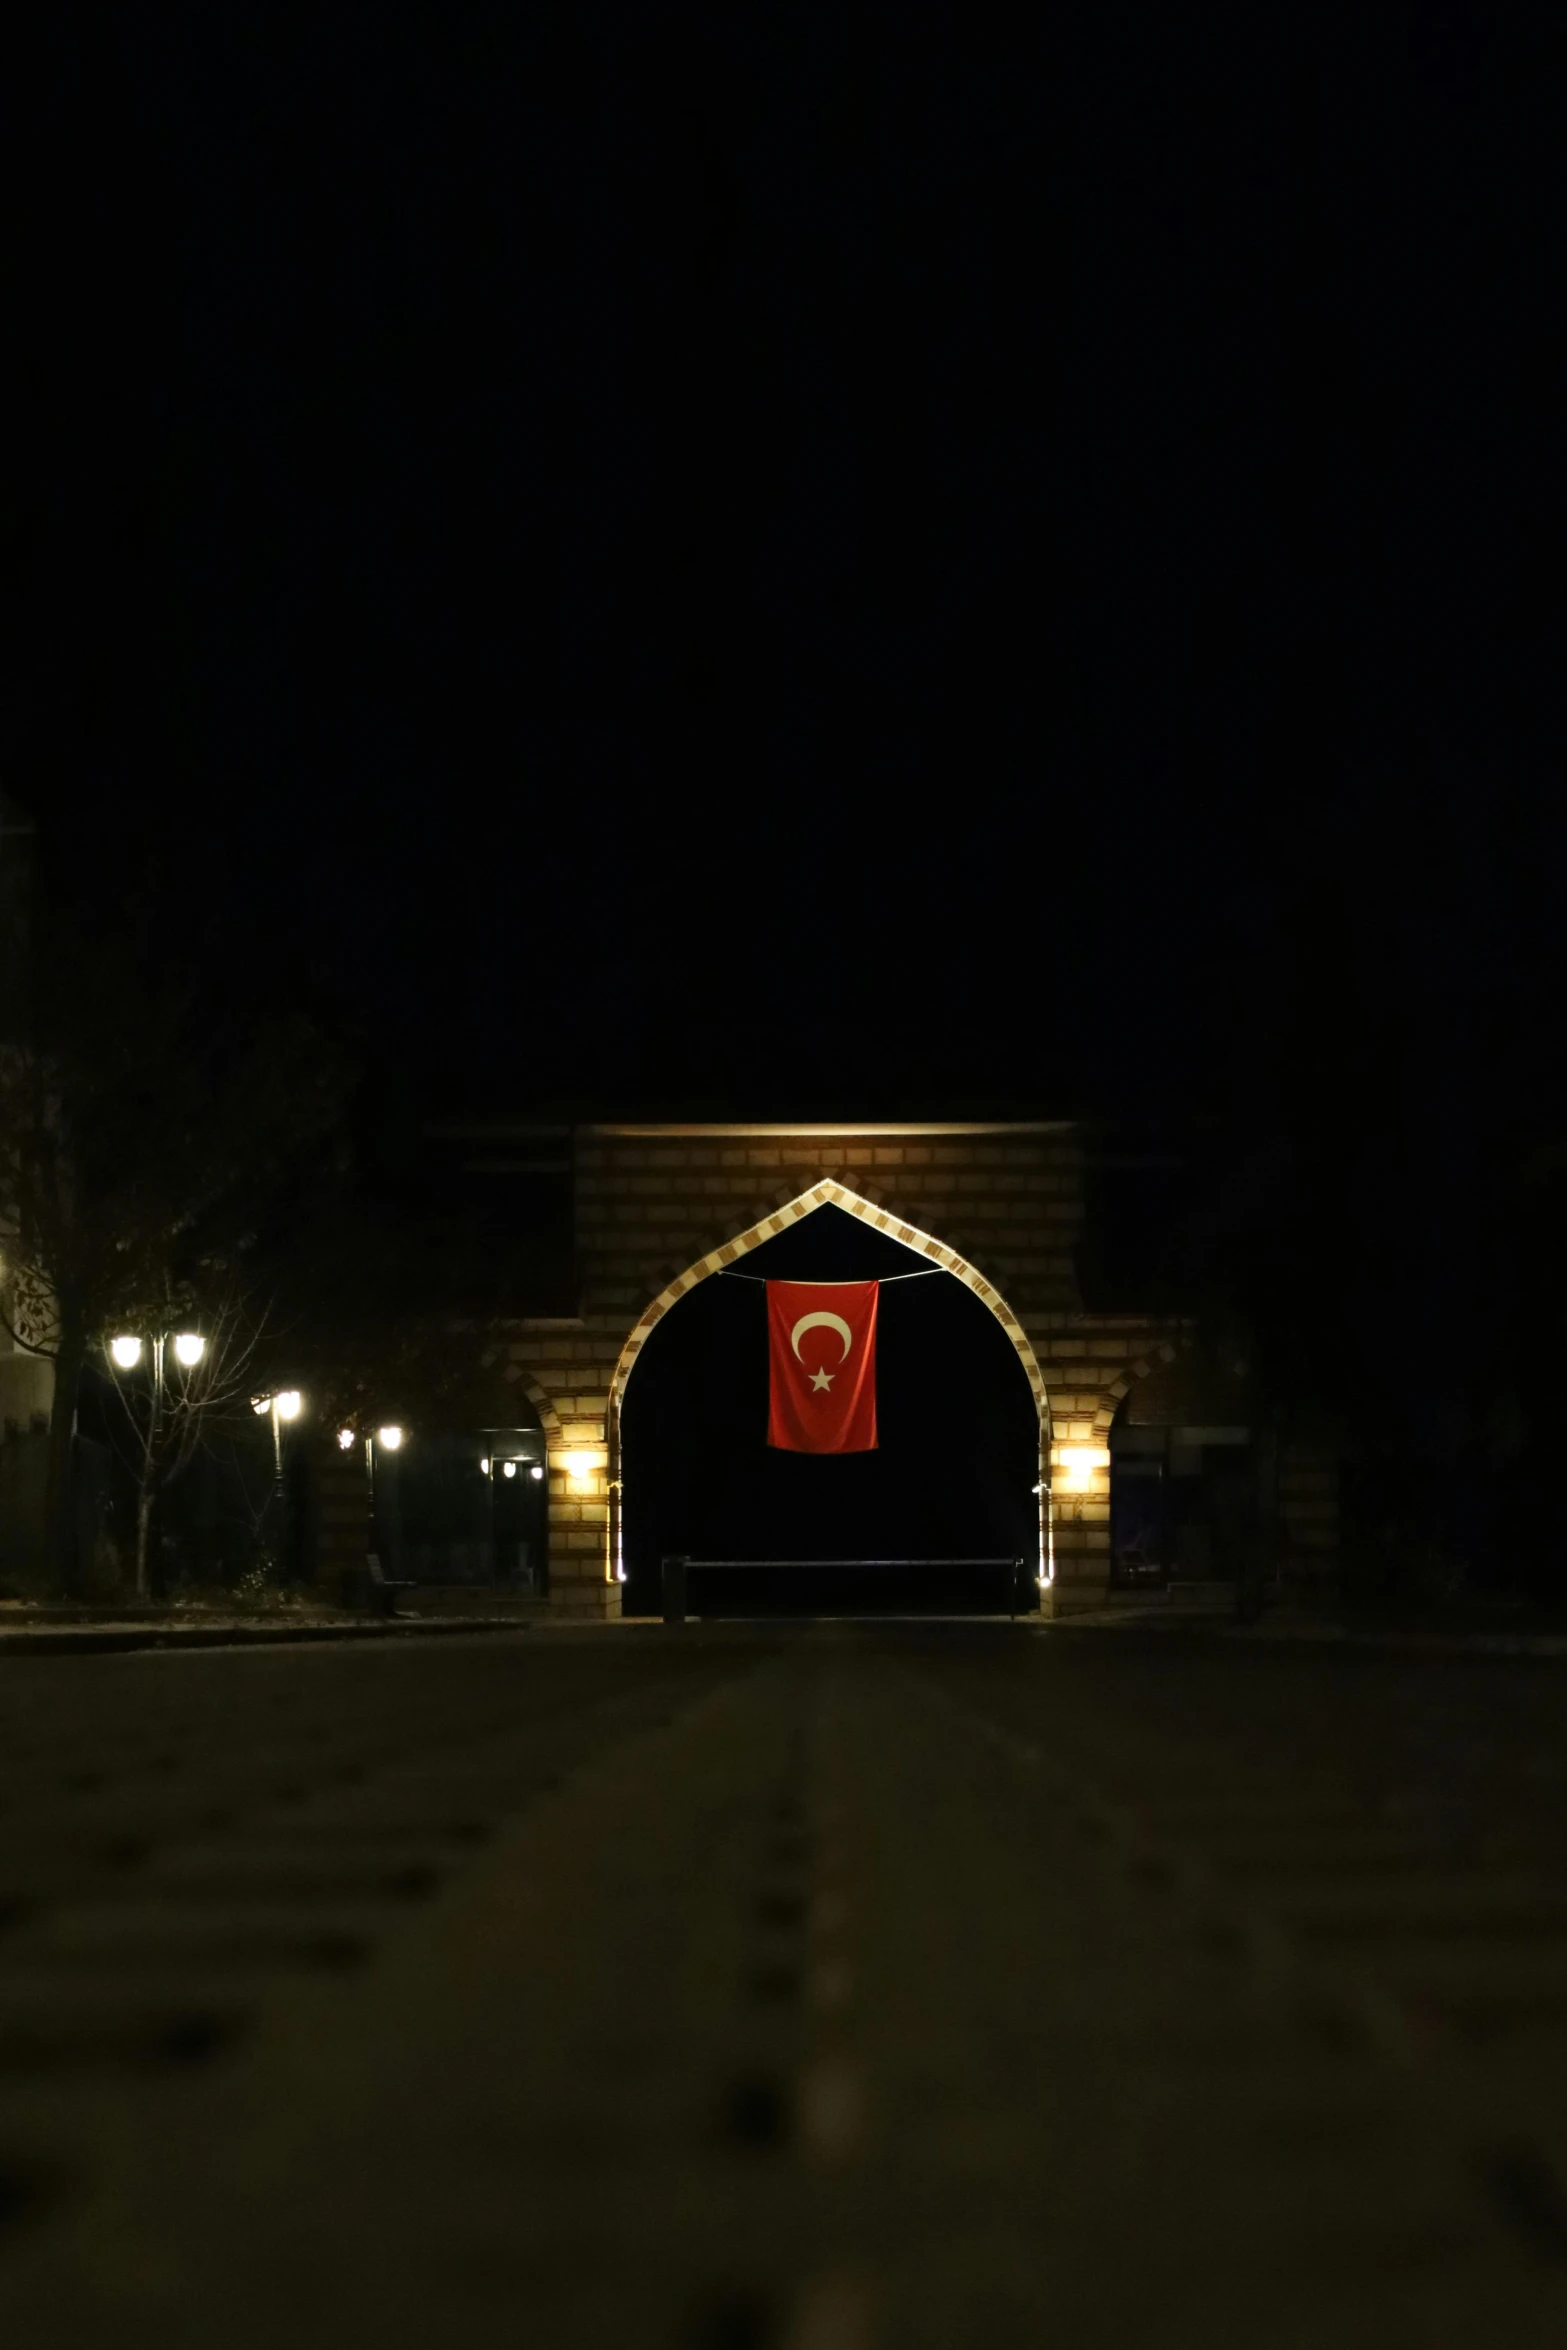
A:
{"points": [[824, 1193]]}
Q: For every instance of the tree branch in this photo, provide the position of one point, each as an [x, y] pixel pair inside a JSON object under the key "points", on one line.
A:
{"points": [[48, 1353]]}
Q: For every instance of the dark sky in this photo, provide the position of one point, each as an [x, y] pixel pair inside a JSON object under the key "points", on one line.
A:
{"points": [[814, 559]]}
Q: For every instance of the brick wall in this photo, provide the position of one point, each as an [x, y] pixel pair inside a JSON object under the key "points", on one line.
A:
{"points": [[339, 1532]]}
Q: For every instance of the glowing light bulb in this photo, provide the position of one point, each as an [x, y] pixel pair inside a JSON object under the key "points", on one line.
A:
{"points": [[126, 1352], [189, 1347], [389, 1438], [345, 1438], [508, 1468], [289, 1404], [535, 1471], [1080, 1461]]}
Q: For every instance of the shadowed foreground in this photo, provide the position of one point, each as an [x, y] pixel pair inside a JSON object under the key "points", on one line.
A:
{"points": [[817, 1988]]}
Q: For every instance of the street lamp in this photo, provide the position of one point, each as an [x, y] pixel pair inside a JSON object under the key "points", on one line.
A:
{"points": [[125, 1352], [286, 1404], [189, 1347], [385, 1514]]}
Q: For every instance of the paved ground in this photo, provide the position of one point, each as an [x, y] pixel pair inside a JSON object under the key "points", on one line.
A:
{"points": [[813, 1989]]}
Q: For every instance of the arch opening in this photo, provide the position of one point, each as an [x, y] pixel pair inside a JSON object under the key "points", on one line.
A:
{"points": [[464, 1505], [956, 1472], [1187, 1475]]}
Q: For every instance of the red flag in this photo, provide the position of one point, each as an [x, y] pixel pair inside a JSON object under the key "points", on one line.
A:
{"points": [[821, 1338]]}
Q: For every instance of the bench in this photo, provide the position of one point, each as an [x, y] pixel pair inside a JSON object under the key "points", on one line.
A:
{"points": [[676, 1572], [370, 1588]]}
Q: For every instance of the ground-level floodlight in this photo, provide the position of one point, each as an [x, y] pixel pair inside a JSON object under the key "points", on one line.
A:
{"points": [[289, 1404], [189, 1347], [345, 1439], [125, 1353], [389, 1438]]}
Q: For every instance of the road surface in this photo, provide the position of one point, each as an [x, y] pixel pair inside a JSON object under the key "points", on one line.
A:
{"points": [[801, 1988]]}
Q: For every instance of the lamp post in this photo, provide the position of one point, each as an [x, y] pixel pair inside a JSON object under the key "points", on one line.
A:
{"points": [[285, 1405], [125, 1352], [385, 1500]]}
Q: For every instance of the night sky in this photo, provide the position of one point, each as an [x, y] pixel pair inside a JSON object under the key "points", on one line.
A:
{"points": [[815, 560]]}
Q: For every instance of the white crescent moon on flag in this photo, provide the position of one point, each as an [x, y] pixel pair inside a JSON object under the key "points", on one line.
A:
{"points": [[822, 1322]]}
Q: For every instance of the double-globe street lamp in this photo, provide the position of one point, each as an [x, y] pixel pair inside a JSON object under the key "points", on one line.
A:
{"points": [[282, 1406], [286, 1404], [389, 1438], [381, 1494], [189, 1347], [125, 1352]]}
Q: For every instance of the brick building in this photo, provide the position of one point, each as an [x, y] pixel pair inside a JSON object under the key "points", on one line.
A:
{"points": [[659, 1208]]}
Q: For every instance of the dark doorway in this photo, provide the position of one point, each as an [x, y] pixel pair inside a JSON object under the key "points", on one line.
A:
{"points": [[465, 1507], [952, 1478], [1184, 1478]]}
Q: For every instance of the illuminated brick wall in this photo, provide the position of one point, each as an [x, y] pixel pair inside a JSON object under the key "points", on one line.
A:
{"points": [[339, 1530], [660, 1207]]}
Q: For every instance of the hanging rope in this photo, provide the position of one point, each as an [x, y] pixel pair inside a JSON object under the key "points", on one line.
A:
{"points": [[727, 1273]]}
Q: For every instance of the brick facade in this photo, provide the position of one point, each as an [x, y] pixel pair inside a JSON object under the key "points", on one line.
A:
{"points": [[659, 1208], [340, 1511]]}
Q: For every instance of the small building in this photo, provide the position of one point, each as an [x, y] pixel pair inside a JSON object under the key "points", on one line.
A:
{"points": [[1112, 1450]]}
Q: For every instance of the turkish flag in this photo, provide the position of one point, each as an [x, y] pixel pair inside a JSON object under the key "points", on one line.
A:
{"points": [[821, 1343]]}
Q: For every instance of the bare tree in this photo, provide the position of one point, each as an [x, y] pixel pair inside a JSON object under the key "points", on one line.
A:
{"points": [[141, 1138], [169, 1405]]}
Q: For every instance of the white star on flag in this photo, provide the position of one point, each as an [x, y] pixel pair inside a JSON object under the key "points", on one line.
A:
{"points": [[821, 1379]]}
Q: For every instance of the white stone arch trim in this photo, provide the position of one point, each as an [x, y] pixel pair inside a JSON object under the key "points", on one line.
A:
{"points": [[824, 1193], [657, 1276], [549, 1417], [1168, 1350]]}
